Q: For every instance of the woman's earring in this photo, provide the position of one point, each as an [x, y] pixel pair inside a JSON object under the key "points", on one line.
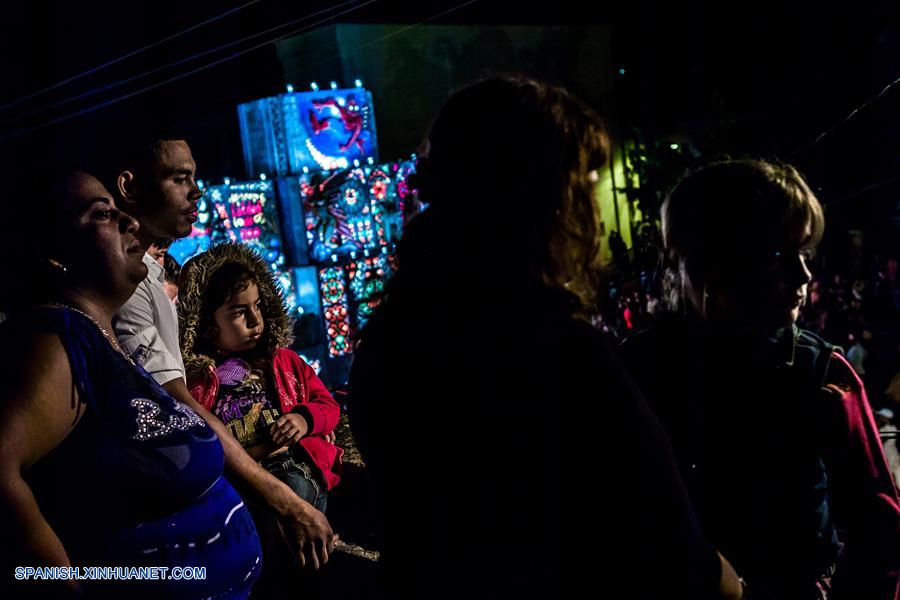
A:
{"points": [[58, 265]]}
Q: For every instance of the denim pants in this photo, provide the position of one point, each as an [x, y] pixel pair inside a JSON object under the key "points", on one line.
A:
{"points": [[291, 468]]}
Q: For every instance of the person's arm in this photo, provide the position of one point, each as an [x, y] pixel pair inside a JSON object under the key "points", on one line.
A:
{"points": [[317, 416], [865, 502], [39, 412], [309, 529], [322, 408]]}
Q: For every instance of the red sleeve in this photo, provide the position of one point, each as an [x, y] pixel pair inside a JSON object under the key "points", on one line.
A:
{"points": [[204, 389], [319, 407], [864, 498]]}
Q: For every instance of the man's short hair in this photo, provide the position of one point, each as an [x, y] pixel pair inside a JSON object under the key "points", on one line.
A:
{"points": [[137, 151]]}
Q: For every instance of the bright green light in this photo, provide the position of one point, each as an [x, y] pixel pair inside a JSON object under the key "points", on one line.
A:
{"points": [[673, 146]]}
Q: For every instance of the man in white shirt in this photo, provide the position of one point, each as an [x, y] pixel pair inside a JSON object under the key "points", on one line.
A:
{"points": [[147, 326], [157, 186]]}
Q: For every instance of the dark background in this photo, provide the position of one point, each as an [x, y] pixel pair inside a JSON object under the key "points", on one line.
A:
{"points": [[746, 80]]}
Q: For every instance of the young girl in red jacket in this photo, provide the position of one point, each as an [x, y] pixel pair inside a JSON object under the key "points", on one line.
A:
{"points": [[235, 333]]}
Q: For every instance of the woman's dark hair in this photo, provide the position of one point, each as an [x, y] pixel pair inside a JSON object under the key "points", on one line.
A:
{"points": [[506, 176], [33, 232], [720, 213]]}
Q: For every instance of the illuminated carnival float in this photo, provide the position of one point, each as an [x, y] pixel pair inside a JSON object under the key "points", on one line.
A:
{"points": [[320, 208]]}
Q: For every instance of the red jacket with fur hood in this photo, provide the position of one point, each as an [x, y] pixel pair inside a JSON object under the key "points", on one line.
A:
{"points": [[298, 387]]}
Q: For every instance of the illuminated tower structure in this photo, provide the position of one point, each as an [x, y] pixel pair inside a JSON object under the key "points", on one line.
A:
{"points": [[318, 207], [341, 211]]}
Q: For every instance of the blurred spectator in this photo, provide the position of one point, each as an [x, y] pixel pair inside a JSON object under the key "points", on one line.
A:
{"points": [[160, 249], [172, 272]]}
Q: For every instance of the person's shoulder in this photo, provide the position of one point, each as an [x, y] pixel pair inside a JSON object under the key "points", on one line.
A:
{"points": [[566, 341], [651, 344], [49, 319], [641, 340], [141, 298], [35, 341], [828, 365], [840, 375], [578, 331], [285, 357], [285, 353], [808, 339], [44, 343], [588, 353], [154, 269]]}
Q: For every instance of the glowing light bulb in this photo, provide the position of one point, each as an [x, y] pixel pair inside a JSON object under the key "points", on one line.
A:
{"points": [[289, 88], [314, 86], [228, 181], [358, 83], [334, 85]]}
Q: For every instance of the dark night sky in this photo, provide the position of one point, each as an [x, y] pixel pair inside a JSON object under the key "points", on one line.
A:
{"points": [[749, 83]]}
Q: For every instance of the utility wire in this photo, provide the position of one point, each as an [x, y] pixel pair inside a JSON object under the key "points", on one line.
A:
{"points": [[170, 65], [852, 114], [117, 99], [259, 84], [114, 61]]}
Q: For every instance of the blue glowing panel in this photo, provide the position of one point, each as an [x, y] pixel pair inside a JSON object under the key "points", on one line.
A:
{"points": [[325, 129], [354, 211], [306, 290], [243, 212], [247, 212]]}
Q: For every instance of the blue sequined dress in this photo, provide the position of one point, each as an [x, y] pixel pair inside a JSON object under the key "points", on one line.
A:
{"points": [[139, 482]]}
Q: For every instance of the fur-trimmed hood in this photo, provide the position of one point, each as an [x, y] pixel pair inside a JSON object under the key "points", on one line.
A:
{"points": [[195, 276]]}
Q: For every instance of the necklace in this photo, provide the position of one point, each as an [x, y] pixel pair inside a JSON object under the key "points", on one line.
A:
{"points": [[109, 338]]}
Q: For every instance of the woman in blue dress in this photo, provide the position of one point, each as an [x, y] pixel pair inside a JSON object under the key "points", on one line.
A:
{"points": [[99, 466]]}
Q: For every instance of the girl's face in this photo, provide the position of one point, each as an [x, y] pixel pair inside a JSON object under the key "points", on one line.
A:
{"points": [[239, 322]]}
